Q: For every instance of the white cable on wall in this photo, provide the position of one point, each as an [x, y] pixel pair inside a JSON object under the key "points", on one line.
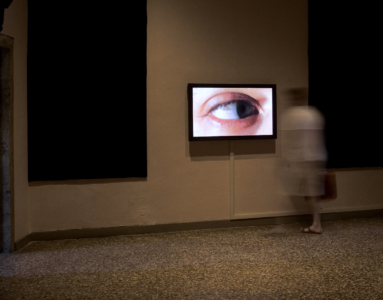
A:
{"points": [[232, 208]]}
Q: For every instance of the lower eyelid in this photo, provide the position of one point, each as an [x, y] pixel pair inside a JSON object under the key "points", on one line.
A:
{"points": [[236, 125]]}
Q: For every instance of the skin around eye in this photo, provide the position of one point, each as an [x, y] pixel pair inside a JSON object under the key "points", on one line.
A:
{"points": [[231, 111]]}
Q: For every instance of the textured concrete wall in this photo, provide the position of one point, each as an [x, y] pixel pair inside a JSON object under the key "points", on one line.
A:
{"points": [[221, 41], [211, 41], [16, 26], [6, 94]]}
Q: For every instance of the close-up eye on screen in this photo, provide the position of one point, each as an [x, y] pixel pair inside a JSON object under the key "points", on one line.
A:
{"points": [[231, 111]]}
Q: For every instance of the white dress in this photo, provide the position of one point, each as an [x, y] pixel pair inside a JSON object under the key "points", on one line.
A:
{"points": [[303, 152]]}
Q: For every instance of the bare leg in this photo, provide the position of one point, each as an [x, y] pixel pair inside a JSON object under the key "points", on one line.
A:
{"points": [[313, 203]]}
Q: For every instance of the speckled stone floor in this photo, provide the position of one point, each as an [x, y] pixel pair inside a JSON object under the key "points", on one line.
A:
{"points": [[265, 262]]}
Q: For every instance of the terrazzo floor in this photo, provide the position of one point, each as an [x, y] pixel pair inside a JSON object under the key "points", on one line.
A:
{"points": [[263, 262]]}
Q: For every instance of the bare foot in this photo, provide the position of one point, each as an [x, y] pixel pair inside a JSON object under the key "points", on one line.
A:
{"points": [[311, 230]]}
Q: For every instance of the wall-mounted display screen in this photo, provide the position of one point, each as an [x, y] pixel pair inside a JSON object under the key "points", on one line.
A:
{"points": [[232, 111]]}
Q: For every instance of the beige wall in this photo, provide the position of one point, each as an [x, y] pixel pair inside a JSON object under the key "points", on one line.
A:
{"points": [[16, 26], [199, 41]]}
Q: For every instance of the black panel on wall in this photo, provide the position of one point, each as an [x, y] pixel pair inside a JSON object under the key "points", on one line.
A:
{"points": [[344, 80], [86, 90]]}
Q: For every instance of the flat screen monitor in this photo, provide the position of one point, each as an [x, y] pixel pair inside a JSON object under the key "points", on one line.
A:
{"points": [[232, 111]]}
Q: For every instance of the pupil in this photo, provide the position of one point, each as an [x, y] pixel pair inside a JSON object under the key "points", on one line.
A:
{"points": [[245, 109]]}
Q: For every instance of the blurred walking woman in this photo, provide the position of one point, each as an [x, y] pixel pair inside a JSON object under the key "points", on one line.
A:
{"points": [[304, 154]]}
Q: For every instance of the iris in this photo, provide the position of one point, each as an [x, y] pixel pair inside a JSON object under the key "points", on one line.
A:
{"points": [[245, 109]]}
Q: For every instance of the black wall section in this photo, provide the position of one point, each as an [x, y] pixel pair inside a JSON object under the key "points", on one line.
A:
{"points": [[344, 80], [3, 5], [86, 90]]}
